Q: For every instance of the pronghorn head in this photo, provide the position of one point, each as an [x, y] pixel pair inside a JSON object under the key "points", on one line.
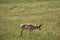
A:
{"points": [[39, 26]]}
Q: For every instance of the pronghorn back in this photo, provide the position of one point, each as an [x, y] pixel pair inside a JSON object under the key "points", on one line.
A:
{"points": [[27, 26]]}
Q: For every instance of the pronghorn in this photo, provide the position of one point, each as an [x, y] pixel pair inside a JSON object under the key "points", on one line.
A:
{"points": [[30, 27]]}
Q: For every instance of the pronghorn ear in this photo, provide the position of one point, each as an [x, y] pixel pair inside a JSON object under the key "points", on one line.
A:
{"points": [[40, 24]]}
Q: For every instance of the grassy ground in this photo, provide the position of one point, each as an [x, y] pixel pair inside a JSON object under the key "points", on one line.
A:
{"points": [[40, 12]]}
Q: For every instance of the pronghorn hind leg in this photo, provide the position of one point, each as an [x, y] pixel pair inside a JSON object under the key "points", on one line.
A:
{"points": [[21, 32]]}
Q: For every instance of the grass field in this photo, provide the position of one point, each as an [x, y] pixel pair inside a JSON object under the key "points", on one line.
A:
{"points": [[35, 12]]}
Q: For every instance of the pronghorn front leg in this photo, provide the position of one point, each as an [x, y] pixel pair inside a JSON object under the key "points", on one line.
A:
{"points": [[30, 30]]}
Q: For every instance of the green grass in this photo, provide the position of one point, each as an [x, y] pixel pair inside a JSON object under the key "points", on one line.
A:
{"points": [[12, 15]]}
